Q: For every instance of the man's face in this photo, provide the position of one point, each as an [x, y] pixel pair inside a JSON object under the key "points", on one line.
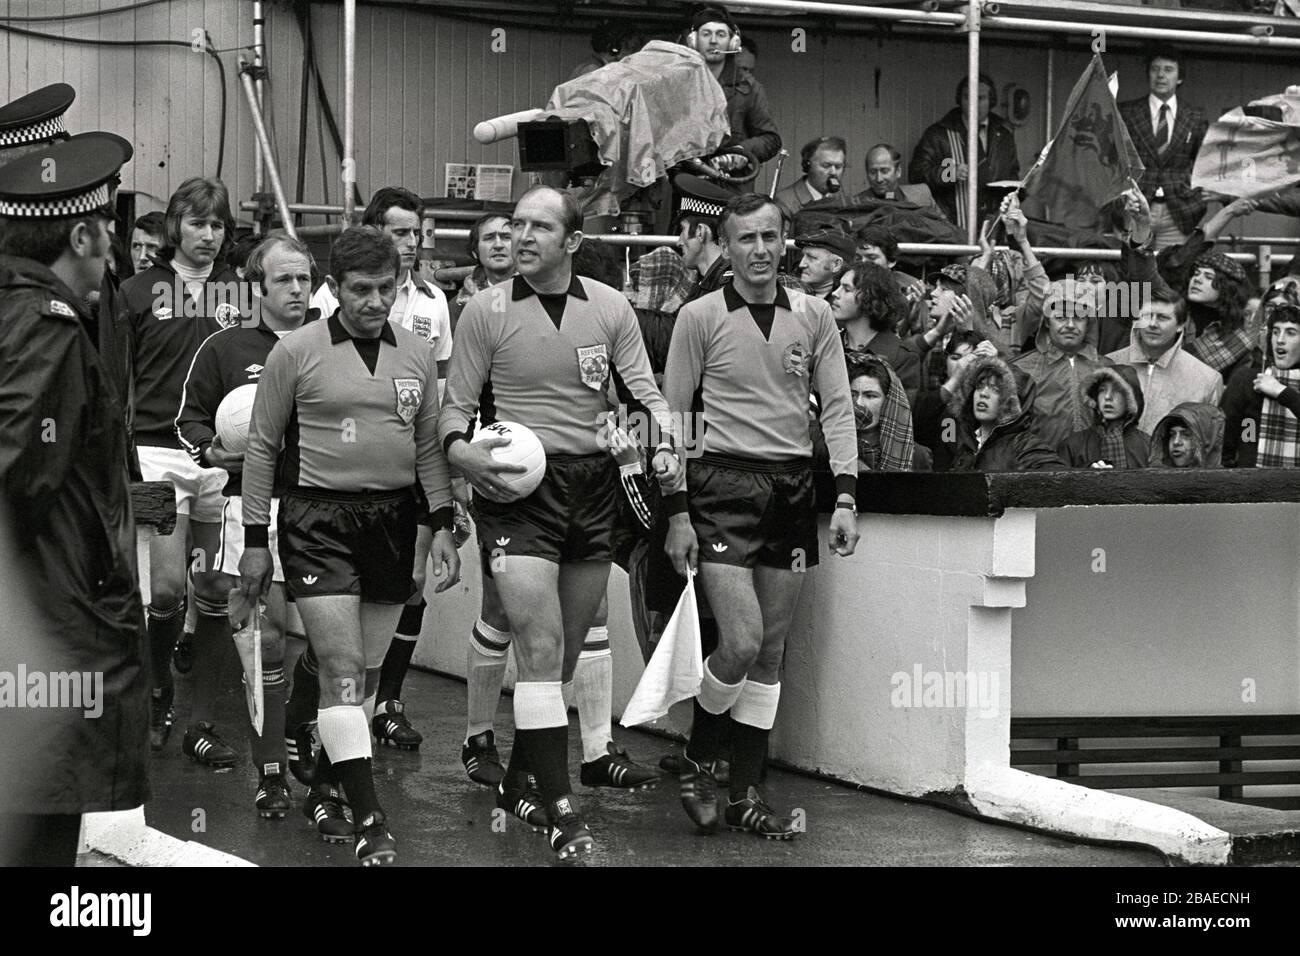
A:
{"points": [[1204, 286], [939, 300], [403, 227], [985, 95], [287, 285], [494, 245], [844, 298], [745, 65], [872, 253], [1181, 454], [365, 299], [1286, 344], [818, 266], [1066, 325], [986, 401], [201, 238], [754, 244], [1163, 77], [712, 40], [537, 236], [1111, 402], [824, 164], [882, 173], [953, 358], [868, 397], [1158, 326], [144, 246]]}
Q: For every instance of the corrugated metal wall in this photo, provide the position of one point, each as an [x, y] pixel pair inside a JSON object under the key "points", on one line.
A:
{"points": [[423, 81]]}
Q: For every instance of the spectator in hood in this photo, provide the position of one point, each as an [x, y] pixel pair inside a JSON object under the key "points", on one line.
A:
{"points": [[1113, 439], [1191, 436], [931, 419], [884, 419], [1262, 402], [1169, 374], [994, 427], [1065, 354], [823, 174], [866, 306]]}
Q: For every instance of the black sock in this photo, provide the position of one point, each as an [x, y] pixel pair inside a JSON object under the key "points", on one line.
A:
{"points": [[358, 785], [398, 658], [325, 776], [517, 766], [748, 751], [304, 698], [710, 735], [164, 628], [214, 654], [547, 749], [708, 635]]}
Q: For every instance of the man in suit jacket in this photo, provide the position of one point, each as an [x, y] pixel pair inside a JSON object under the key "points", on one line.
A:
{"points": [[823, 168], [884, 169], [940, 161], [1167, 133]]}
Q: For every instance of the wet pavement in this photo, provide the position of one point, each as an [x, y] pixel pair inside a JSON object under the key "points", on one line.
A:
{"points": [[441, 819]]}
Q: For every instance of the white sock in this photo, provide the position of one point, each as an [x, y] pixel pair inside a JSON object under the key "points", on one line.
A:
{"points": [[593, 686], [344, 732], [715, 696], [539, 705], [757, 705], [485, 669]]}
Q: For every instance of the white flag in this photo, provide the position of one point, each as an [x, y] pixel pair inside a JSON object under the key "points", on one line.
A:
{"points": [[676, 668]]}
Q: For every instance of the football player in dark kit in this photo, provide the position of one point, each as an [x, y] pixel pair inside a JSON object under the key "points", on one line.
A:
{"points": [[353, 400]]}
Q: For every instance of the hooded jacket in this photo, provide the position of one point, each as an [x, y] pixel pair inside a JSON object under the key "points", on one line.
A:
{"points": [[1059, 407], [63, 475], [1013, 445], [1084, 447], [1176, 376], [1206, 423]]}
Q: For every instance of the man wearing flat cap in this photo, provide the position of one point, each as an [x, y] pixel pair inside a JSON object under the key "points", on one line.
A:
{"points": [[826, 254], [65, 496]]}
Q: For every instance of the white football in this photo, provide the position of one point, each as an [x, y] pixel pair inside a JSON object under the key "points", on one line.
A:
{"points": [[233, 416], [524, 449]]}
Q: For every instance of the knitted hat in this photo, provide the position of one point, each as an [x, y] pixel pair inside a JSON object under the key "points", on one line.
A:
{"points": [[1222, 265]]}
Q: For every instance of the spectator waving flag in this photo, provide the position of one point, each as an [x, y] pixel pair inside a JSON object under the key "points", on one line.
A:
{"points": [[1090, 161], [1247, 156]]}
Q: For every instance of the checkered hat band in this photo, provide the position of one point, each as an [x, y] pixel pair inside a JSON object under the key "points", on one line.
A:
{"points": [[702, 207], [57, 208], [46, 129]]}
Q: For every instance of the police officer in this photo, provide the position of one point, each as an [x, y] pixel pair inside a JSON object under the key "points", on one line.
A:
{"points": [[63, 478]]}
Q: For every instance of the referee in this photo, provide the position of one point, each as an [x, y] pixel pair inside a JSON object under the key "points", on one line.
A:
{"points": [[544, 348], [354, 400]]}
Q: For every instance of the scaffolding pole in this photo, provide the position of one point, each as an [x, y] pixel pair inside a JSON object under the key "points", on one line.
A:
{"points": [[259, 62], [264, 141], [349, 162], [972, 118]]}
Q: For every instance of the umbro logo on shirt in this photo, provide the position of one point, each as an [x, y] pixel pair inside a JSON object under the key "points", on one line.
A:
{"points": [[254, 370], [310, 579]]}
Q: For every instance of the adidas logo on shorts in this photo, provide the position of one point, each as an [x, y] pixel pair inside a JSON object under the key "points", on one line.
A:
{"points": [[719, 547], [502, 542], [310, 579]]}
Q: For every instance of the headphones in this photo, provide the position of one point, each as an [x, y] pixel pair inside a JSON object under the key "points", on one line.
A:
{"points": [[810, 149], [733, 45]]}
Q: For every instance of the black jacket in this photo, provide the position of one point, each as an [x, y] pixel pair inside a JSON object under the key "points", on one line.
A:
{"points": [[226, 360], [1242, 404], [1083, 448], [64, 477], [750, 117], [165, 331], [1013, 444], [998, 162]]}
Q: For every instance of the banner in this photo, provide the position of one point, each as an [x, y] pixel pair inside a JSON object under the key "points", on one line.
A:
{"points": [[1247, 156]]}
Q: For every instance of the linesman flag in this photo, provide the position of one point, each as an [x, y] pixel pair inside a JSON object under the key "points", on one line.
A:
{"points": [[1249, 155], [1090, 161]]}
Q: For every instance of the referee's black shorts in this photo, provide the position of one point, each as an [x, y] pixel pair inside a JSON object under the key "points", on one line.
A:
{"points": [[748, 512], [358, 543], [569, 517]]}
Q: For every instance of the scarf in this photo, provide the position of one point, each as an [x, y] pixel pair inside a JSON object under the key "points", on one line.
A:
{"points": [[1279, 430], [1113, 449], [662, 281], [893, 452], [1219, 348]]}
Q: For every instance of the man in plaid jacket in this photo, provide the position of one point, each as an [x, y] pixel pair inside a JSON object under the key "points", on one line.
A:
{"points": [[1167, 133]]}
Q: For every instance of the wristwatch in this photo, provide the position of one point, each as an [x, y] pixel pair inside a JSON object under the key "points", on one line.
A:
{"points": [[848, 506]]}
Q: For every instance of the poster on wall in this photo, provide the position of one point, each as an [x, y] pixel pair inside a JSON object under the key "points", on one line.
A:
{"points": [[479, 181]]}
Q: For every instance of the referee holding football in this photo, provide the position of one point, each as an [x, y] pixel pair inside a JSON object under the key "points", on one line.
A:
{"points": [[354, 400], [544, 348]]}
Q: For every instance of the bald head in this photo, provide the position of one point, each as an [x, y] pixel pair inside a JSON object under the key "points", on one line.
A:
{"points": [[884, 167]]}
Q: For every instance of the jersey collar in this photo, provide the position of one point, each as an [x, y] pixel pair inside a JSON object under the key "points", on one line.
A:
{"points": [[339, 334], [520, 289], [734, 300]]}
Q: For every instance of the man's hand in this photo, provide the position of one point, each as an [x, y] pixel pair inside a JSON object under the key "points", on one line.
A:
{"points": [[477, 463], [1241, 207], [682, 546], [727, 162], [446, 560], [1137, 214], [961, 314], [963, 172], [1016, 223], [668, 468], [218, 457], [1103, 466], [985, 349], [255, 572], [914, 293], [844, 532], [1266, 384]]}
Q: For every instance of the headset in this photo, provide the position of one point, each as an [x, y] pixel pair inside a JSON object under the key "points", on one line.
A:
{"points": [[810, 149], [733, 45]]}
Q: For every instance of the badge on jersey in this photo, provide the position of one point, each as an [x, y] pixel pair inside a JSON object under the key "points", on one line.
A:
{"points": [[227, 315], [795, 360], [162, 313], [62, 308], [410, 392], [593, 363]]}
